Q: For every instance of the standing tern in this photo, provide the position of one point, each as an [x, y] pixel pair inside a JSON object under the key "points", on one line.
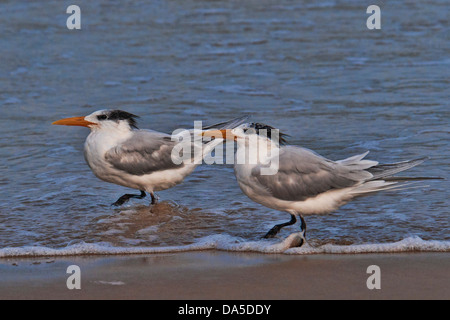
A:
{"points": [[305, 183], [120, 153]]}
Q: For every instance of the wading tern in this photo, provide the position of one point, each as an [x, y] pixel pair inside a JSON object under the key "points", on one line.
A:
{"points": [[120, 153], [304, 183]]}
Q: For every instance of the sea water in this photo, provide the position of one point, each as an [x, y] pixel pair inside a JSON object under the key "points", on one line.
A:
{"points": [[312, 70]]}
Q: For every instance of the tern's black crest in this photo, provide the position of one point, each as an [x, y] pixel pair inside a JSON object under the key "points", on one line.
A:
{"points": [[117, 115], [267, 130]]}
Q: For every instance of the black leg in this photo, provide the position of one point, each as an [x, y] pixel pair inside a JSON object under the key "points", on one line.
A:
{"points": [[154, 198], [127, 197], [273, 232], [303, 225], [303, 229]]}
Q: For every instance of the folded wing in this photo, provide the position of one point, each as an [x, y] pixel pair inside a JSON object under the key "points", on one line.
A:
{"points": [[304, 174], [146, 152]]}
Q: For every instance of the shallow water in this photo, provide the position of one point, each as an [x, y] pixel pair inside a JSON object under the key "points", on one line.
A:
{"points": [[313, 70]]}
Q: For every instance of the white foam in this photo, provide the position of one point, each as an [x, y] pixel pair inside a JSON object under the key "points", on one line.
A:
{"points": [[148, 230], [229, 243], [411, 244]]}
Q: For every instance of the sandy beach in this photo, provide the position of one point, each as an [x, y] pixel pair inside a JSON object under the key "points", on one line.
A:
{"points": [[224, 275], [313, 70]]}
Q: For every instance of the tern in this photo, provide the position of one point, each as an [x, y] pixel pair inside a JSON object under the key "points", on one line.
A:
{"points": [[120, 153], [305, 183]]}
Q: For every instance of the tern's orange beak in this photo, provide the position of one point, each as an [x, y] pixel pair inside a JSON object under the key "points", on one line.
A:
{"points": [[225, 134], [75, 121]]}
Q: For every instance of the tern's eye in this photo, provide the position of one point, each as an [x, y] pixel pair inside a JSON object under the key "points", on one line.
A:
{"points": [[102, 117]]}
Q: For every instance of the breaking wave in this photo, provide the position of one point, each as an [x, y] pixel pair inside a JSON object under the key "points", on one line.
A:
{"points": [[233, 244]]}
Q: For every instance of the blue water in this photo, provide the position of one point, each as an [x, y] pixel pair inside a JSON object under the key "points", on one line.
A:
{"points": [[313, 70]]}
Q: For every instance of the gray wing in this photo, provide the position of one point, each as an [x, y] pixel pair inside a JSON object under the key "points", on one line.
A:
{"points": [[230, 124], [303, 174], [145, 152], [383, 171]]}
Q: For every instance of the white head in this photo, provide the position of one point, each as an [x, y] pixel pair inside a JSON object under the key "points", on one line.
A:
{"points": [[103, 119], [249, 133], [258, 144]]}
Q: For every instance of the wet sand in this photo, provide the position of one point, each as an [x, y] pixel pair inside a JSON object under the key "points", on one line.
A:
{"points": [[229, 276]]}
